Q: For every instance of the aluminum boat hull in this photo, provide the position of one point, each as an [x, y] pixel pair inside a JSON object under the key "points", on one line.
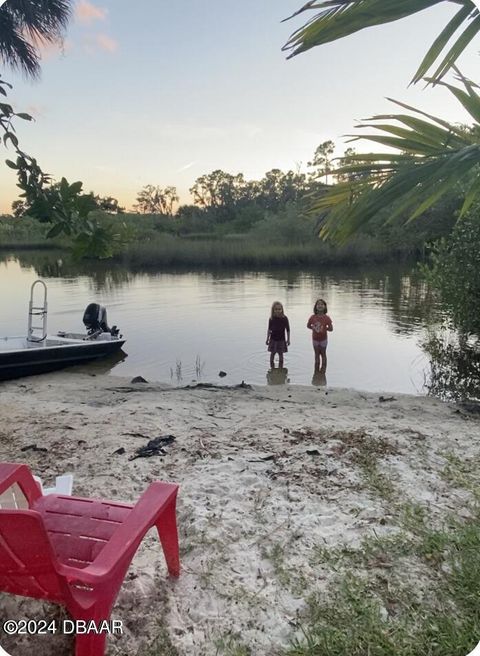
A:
{"points": [[20, 358]]}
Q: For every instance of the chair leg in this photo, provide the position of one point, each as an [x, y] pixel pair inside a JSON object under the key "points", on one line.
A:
{"points": [[90, 644], [167, 532]]}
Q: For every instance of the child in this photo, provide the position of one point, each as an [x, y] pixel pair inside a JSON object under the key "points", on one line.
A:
{"points": [[277, 327], [319, 323]]}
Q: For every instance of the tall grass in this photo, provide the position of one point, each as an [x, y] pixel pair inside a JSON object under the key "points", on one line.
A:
{"points": [[26, 233], [241, 252], [277, 241]]}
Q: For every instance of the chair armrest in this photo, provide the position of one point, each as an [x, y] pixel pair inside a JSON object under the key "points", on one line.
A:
{"points": [[11, 473], [126, 539]]}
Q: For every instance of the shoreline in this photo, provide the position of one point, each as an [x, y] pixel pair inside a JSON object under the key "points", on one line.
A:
{"points": [[269, 476]]}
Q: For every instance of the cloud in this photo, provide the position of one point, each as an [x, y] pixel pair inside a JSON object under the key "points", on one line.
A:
{"points": [[106, 43], [85, 12], [186, 167], [36, 110], [49, 50], [95, 42]]}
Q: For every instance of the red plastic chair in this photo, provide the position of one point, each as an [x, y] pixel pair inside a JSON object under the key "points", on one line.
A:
{"points": [[76, 551]]}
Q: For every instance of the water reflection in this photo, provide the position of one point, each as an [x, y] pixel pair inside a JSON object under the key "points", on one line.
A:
{"points": [[277, 376], [174, 319], [319, 379], [403, 293], [103, 365], [103, 276]]}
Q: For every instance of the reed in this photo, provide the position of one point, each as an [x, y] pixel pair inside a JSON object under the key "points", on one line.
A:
{"points": [[169, 251]]}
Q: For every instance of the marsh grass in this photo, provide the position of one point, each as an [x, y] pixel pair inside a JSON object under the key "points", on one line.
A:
{"points": [[245, 251]]}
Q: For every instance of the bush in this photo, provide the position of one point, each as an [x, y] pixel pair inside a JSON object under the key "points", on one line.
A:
{"points": [[287, 227], [454, 270]]}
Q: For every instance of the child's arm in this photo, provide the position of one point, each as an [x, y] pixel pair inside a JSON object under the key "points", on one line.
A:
{"points": [[329, 325], [288, 332], [309, 323], [269, 332]]}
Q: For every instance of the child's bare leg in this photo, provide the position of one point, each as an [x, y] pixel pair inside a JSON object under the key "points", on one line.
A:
{"points": [[280, 360], [323, 352], [272, 356], [317, 358]]}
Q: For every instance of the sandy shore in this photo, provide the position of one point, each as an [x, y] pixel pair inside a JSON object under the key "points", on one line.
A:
{"points": [[263, 471]]}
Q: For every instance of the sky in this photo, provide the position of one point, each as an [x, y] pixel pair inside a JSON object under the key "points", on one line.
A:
{"points": [[157, 92]]}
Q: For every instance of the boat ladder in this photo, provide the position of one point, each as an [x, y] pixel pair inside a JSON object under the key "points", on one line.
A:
{"points": [[37, 311]]}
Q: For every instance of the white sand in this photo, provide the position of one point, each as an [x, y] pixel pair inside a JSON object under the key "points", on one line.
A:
{"points": [[249, 524]]}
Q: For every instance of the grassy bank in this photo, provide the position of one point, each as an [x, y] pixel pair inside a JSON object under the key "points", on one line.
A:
{"points": [[412, 592], [27, 234], [241, 252], [276, 241]]}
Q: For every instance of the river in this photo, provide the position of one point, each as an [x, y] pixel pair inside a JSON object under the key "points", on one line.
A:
{"points": [[188, 326]]}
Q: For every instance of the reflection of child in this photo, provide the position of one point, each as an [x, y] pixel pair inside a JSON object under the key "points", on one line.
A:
{"points": [[319, 379], [278, 333], [277, 376], [319, 323]]}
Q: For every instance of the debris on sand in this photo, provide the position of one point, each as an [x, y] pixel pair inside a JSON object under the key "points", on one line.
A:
{"points": [[154, 447]]}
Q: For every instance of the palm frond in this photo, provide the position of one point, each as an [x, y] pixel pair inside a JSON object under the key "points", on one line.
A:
{"points": [[24, 24], [430, 158], [340, 18]]}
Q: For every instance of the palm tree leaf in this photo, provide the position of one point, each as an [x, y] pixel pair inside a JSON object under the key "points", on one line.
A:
{"points": [[441, 41], [408, 145], [430, 144], [470, 99], [440, 136], [448, 126], [458, 47], [344, 17], [24, 24], [470, 196], [432, 156], [340, 18]]}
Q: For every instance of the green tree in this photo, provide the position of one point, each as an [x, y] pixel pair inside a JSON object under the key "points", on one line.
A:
{"points": [[109, 204], [219, 191], [25, 25], [322, 159], [455, 272], [153, 199], [18, 208], [277, 189]]}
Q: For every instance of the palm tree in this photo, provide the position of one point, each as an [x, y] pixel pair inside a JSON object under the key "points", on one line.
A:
{"points": [[25, 25], [427, 158], [339, 18]]}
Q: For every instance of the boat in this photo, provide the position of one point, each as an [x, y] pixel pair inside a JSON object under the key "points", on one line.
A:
{"points": [[38, 352]]}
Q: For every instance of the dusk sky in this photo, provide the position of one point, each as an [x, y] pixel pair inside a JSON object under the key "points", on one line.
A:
{"points": [[163, 92]]}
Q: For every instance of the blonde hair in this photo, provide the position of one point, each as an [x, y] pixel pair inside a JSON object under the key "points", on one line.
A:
{"points": [[273, 307], [320, 300]]}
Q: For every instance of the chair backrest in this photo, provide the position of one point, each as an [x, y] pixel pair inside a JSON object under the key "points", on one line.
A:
{"points": [[27, 561], [13, 498]]}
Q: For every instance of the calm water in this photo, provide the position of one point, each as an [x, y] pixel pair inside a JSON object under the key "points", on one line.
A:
{"points": [[188, 326]]}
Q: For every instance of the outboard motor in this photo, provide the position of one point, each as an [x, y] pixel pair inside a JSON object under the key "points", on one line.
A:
{"points": [[95, 319]]}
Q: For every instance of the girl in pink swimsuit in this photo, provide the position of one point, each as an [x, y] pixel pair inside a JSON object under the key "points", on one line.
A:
{"points": [[320, 323]]}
